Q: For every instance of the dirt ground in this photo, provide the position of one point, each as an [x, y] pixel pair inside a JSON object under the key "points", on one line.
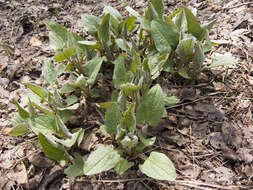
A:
{"points": [[208, 135]]}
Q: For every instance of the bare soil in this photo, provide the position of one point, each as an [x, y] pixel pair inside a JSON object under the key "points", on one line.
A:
{"points": [[208, 135]]}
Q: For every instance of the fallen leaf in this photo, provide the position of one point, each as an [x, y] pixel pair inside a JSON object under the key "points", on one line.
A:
{"points": [[35, 42], [6, 130], [245, 155], [40, 161]]}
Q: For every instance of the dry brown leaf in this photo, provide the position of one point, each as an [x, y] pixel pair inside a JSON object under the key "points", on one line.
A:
{"points": [[6, 130], [35, 42]]}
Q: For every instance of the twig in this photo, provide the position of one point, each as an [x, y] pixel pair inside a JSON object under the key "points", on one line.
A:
{"points": [[236, 6]]}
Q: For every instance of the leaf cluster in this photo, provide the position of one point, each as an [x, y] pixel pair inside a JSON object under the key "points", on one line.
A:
{"points": [[139, 47]]}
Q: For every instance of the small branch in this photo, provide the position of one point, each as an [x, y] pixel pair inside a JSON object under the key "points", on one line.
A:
{"points": [[236, 6]]}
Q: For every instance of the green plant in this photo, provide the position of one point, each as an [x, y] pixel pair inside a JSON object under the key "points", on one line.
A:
{"points": [[140, 48]]}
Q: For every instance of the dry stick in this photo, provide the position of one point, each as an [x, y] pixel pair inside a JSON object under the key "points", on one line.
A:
{"points": [[198, 184], [197, 100], [236, 6]]}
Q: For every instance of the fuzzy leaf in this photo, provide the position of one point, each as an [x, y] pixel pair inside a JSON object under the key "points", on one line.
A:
{"points": [[104, 29], [165, 35], [158, 166], [184, 73], [49, 74], [129, 118], [171, 100], [58, 35], [185, 50], [37, 90], [51, 151], [18, 130], [151, 108], [21, 111], [192, 24], [158, 7], [119, 73], [91, 69], [221, 60], [65, 54], [76, 169], [91, 23], [112, 118], [113, 12], [102, 159], [123, 165]]}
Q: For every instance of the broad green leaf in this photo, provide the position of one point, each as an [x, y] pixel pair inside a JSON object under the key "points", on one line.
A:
{"points": [[72, 107], [102, 159], [71, 100], [144, 22], [184, 73], [67, 88], [30, 97], [76, 169], [119, 73], [123, 45], [113, 12], [49, 74], [65, 54], [185, 50], [133, 12], [42, 124], [58, 35], [18, 120], [129, 88], [60, 69], [112, 118], [73, 40], [130, 23], [151, 107], [171, 100], [165, 35], [136, 63], [104, 29], [158, 166], [91, 44], [123, 165], [115, 18], [129, 118], [51, 151], [62, 129], [209, 25], [65, 115], [41, 92], [221, 60], [146, 141], [42, 108], [58, 29], [92, 67], [192, 24], [158, 7], [21, 111], [18, 130], [56, 42], [181, 22], [198, 58], [91, 23], [80, 82], [68, 142]]}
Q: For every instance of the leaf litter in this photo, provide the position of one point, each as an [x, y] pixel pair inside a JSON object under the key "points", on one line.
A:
{"points": [[190, 124]]}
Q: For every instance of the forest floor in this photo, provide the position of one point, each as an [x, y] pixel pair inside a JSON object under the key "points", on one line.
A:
{"points": [[208, 135]]}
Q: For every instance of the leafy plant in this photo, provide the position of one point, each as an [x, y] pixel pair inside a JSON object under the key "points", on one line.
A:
{"points": [[140, 48]]}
